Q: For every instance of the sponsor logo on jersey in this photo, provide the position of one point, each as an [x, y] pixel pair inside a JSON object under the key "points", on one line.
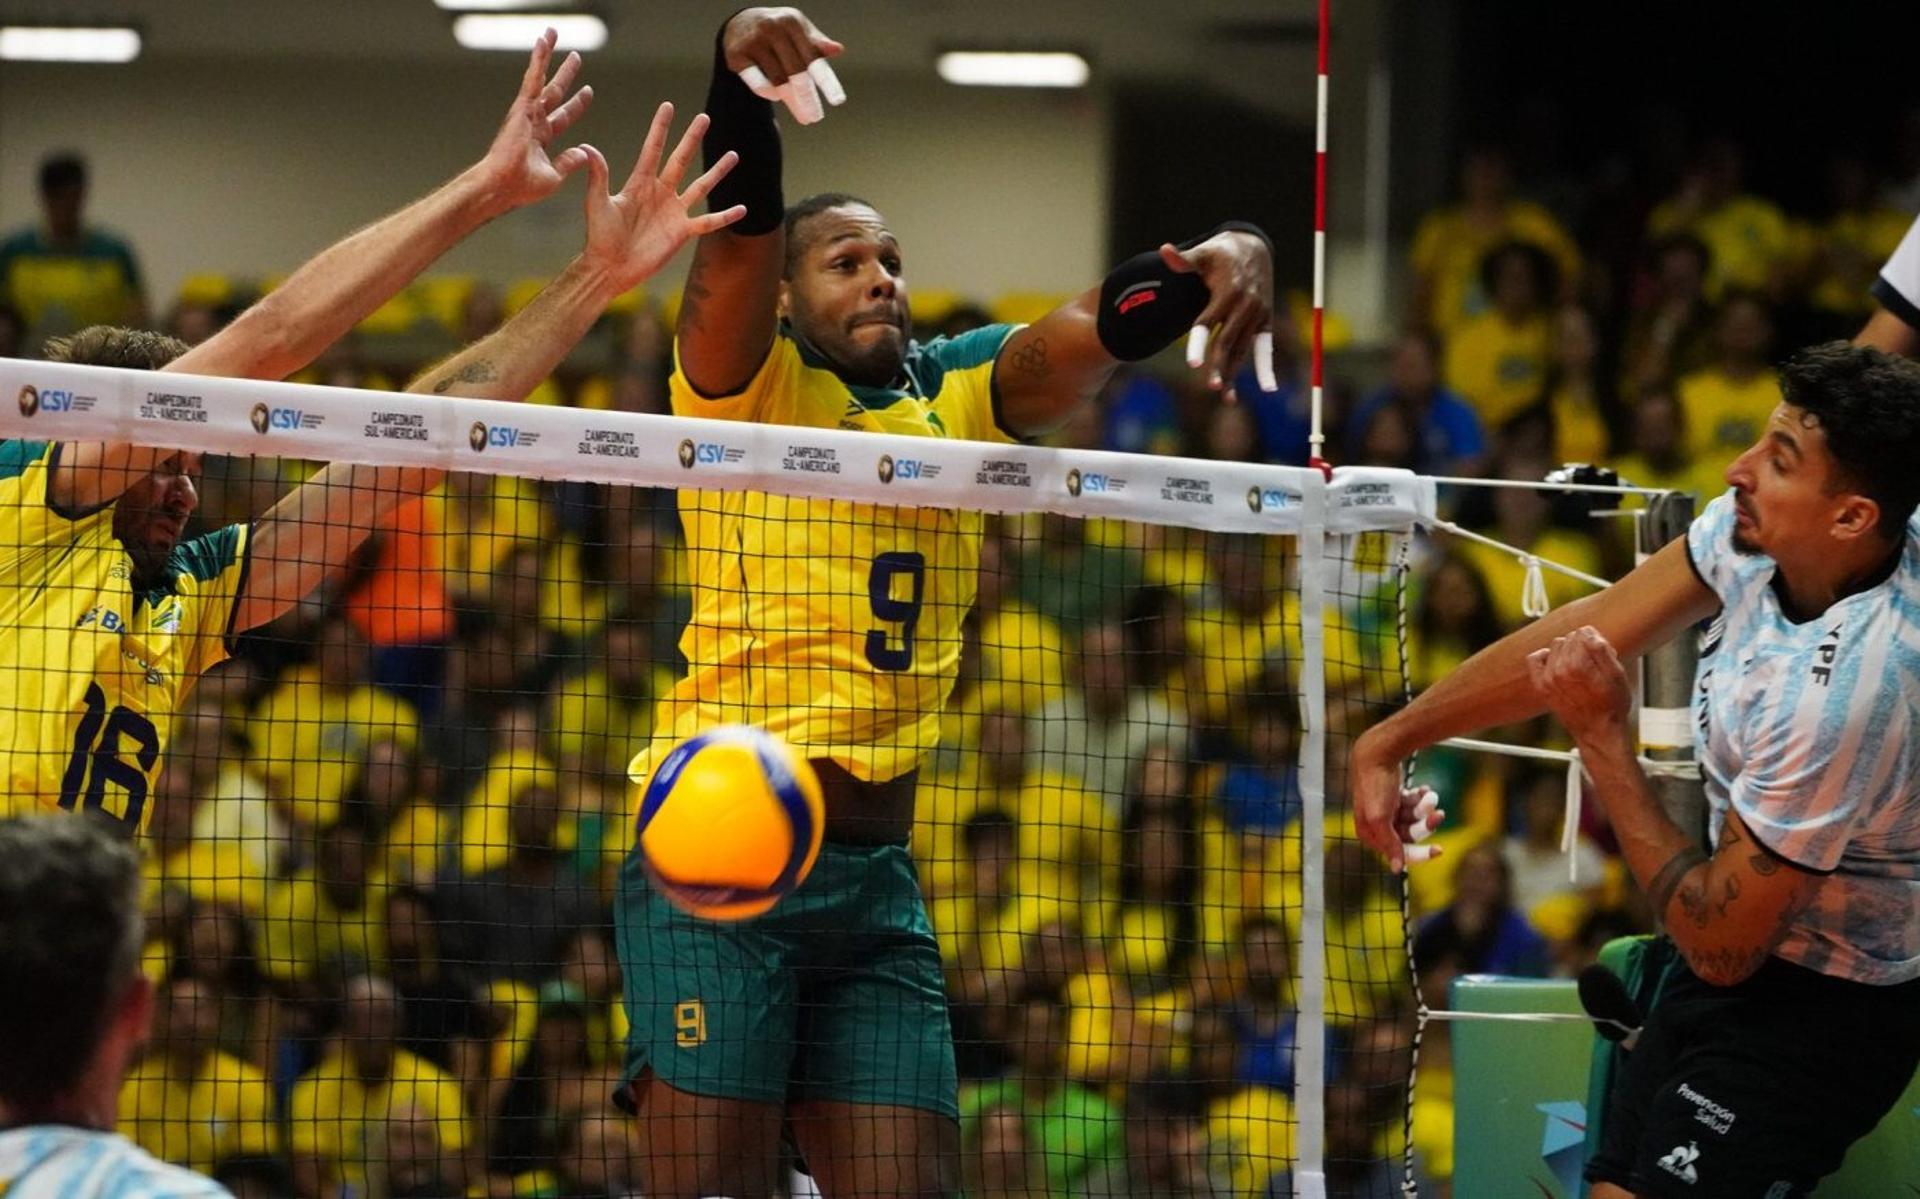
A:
{"points": [[1679, 1162]]}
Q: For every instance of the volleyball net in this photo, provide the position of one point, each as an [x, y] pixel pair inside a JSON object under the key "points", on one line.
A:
{"points": [[385, 787]]}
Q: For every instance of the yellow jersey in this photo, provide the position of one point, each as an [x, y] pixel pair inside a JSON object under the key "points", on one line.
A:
{"points": [[1449, 246], [224, 1111], [1725, 416], [830, 623], [93, 670], [1501, 368], [336, 1116]]}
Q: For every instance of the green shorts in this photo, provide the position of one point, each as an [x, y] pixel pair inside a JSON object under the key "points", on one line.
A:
{"points": [[836, 994]]}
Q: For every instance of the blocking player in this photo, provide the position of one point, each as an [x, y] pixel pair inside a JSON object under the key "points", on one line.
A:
{"points": [[836, 625], [107, 616], [1793, 1025]]}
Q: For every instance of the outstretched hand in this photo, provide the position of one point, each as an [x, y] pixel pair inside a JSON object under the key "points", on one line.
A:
{"points": [[633, 232], [519, 167], [1237, 268]]}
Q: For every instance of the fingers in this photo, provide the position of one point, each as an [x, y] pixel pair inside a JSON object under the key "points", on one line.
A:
{"points": [[1176, 261], [803, 97], [706, 183], [758, 83], [1231, 343], [562, 81], [568, 113], [683, 153], [568, 161], [536, 76], [597, 172], [648, 164], [1263, 361], [827, 82], [713, 222], [1197, 345]]}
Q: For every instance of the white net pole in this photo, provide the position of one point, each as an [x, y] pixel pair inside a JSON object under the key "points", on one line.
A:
{"points": [[1311, 1037]]}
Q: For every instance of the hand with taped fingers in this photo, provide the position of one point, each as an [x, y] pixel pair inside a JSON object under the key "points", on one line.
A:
{"points": [[782, 56], [633, 232], [520, 167], [1237, 322], [1393, 820], [1584, 683]]}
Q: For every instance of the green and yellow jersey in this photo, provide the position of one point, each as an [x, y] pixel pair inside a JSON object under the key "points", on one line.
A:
{"points": [[830, 623], [93, 671]]}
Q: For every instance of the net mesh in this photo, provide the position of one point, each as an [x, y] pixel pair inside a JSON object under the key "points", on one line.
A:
{"points": [[404, 940]]}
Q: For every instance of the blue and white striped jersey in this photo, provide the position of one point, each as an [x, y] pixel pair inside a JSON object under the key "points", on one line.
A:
{"points": [[1808, 731], [56, 1161]]}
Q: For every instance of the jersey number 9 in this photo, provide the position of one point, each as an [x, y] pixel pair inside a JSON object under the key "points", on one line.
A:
{"points": [[882, 654]]}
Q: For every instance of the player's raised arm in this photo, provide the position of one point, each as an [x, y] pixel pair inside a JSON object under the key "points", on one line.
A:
{"points": [[337, 288], [727, 315], [631, 234], [1217, 291], [1655, 602]]}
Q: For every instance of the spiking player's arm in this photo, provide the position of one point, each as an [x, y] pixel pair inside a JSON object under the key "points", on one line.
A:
{"points": [[631, 234], [1725, 912], [727, 311], [1653, 603], [325, 298], [1222, 283]]}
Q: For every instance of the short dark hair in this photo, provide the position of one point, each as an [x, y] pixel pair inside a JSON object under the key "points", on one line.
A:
{"points": [[1868, 404], [62, 169], [805, 210], [991, 823], [70, 939], [109, 345]]}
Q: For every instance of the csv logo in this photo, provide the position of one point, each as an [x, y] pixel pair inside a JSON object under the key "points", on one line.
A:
{"points": [[1265, 499]]}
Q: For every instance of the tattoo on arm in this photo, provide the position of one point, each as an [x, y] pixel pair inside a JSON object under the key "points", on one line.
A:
{"points": [[478, 371], [1667, 880], [1031, 360], [1729, 891], [694, 295]]}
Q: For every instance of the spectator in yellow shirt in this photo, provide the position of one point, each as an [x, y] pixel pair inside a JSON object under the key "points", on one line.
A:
{"points": [[321, 922], [340, 1110], [1523, 519], [312, 733], [1747, 236], [1579, 404], [1498, 360], [63, 274], [1728, 403], [1453, 619], [187, 1102], [1449, 288], [1657, 455]]}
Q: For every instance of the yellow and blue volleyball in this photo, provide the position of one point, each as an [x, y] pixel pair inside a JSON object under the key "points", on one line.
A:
{"points": [[730, 822]]}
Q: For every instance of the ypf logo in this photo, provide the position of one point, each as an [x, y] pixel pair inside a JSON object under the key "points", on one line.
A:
{"points": [[1073, 482], [262, 417], [477, 436], [886, 468], [29, 400], [687, 453]]}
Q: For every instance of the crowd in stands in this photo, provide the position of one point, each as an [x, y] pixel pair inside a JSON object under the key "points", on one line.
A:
{"points": [[382, 858]]}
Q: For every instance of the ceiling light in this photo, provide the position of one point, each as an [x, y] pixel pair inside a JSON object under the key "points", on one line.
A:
{"points": [[57, 43], [1013, 68], [517, 31], [489, 5]]}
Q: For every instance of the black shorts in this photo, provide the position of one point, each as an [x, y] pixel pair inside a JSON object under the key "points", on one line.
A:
{"points": [[1756, 1090]]}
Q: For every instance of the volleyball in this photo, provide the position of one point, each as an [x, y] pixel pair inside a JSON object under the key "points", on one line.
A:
{"points": [[730, 822]]}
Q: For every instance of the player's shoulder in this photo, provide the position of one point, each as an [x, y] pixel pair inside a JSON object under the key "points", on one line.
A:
{"points": [[17, 456], [974, 348], [210, 555], [79, 1163]]}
